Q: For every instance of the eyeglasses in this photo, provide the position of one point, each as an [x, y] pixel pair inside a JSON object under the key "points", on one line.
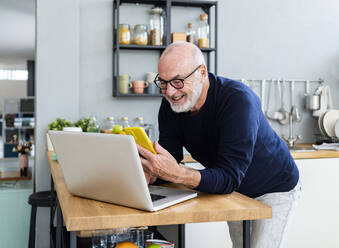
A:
{"points": [[176, 83]]}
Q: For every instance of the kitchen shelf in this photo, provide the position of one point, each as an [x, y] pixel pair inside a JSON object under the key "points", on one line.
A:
{"points": [[138, 95], [206, 6], [13, 128], [141, 47], [183, 3], [148, 47]]}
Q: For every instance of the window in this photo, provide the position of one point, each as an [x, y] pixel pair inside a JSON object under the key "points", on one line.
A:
{"points": [[13, 74]]}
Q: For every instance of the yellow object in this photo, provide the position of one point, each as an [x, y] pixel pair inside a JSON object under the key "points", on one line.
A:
{"points": [[203, 43], [122, 132], [140, 40], [126, 244], [140, 137], [124, 35]]}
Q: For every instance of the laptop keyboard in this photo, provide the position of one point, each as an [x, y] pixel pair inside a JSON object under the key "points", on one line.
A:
{"points": [[155, 197]]}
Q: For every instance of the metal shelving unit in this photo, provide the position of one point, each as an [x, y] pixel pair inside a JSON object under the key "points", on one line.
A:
{"points": [[14, 106], [206, 6]]}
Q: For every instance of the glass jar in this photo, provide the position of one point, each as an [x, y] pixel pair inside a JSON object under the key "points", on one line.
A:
{"points": [[108, 125], [124, 34], [203, 32], [124, 122], [139, 122], [140, 34], [156, 26], [190, 33]]}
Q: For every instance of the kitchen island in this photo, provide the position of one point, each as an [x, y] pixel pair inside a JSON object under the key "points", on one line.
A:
{"points": [[80, 214]]}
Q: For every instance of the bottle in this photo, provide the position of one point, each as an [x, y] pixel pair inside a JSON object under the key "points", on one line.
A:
{"points": [[190, 33], [93, 126], [203, 32], [156, 26], [140, 34], [139, 122], [124, 122], [108, 125]]}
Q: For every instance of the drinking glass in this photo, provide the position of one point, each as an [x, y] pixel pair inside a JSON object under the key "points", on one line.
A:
{"points": [[99, 239]]}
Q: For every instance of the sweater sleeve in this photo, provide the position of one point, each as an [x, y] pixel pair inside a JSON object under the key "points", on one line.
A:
{"points": [[238, 121], [169, 137]]}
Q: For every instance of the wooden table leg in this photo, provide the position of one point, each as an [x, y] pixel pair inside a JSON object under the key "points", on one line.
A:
{"points": [[181, 230], [246, 233]]}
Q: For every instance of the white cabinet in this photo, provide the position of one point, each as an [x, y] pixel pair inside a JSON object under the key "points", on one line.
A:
{"points": [[316, 219]]}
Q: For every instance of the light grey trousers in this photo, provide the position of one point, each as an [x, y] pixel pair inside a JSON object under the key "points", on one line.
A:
{"points": [[268, 233]]}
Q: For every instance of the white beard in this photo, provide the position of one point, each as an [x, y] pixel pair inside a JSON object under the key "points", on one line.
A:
{"points": [[191, 100]]}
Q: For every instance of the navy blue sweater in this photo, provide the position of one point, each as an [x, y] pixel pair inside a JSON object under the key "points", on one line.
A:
{"points": [[231, 137]]}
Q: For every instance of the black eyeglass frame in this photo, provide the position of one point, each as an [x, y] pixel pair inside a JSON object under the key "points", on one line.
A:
{"points": [[158, 80]]}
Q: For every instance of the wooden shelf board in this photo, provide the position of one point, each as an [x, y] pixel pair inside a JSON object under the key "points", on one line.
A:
{"points": [[12, 176]]}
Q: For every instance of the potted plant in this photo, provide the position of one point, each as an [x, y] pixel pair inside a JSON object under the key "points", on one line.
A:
{"points": [[57, 125]]}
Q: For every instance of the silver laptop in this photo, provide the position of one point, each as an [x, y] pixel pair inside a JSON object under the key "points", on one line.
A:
{"points": [[107, 167]]}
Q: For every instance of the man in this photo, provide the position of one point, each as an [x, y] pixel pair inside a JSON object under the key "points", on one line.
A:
{"points": [[220, 122]]}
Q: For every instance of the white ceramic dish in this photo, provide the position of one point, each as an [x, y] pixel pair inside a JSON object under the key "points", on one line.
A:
{"points": [[329, 120], [320, 121], [336, 128]]}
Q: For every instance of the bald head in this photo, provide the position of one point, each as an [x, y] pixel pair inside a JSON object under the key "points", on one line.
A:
{"points": [[180, 57]]}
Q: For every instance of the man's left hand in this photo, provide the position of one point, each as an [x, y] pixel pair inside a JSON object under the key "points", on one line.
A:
{"points": [[162, 165]]}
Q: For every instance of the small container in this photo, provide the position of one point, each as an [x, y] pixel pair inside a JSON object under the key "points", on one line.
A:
{"points": [[190, 33], [140, 34], [124, 34], [93, 126], [124, 122], [139, 122], [156, 26], [203, 32], [108, 125]]}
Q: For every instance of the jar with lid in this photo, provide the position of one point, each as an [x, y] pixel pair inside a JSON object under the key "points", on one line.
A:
{"points": [[107, 125], [190, 33], [203, 32], [93, 126], [124, 122], [139, 122], [124, 34], [156, 26], [140, 34]]}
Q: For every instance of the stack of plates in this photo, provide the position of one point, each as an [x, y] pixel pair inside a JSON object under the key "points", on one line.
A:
{"points": [[329, 123]]}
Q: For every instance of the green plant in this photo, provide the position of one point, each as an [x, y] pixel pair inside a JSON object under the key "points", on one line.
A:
{"points": [[88, 124], [59, 124]]}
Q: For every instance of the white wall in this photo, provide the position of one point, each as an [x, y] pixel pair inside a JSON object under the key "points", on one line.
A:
{"points": [[286, 39], [57, 84]]}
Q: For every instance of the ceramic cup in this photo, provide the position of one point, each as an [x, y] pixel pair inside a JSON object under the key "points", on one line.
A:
{"points": [[153, 88], [124, 83], [139, 86], [150, 76]]}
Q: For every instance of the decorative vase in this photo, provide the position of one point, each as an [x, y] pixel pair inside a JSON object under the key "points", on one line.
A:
{"points": [[23, 164]]}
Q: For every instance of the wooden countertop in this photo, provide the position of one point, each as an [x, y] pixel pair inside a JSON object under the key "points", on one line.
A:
{"points": [[295, 154], [85, 214]]}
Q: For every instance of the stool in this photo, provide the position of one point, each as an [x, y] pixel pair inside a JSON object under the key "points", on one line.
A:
{"points": [[41, 199]]}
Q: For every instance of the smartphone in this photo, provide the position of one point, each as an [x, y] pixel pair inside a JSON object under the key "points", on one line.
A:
{"points": [[140, 137]]}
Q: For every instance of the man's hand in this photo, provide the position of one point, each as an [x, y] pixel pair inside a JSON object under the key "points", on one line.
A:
{"points": [[163, 165], [149, 178]]}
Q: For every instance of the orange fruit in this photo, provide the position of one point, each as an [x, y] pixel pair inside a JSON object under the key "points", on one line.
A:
{"points": [[126, 244]]}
